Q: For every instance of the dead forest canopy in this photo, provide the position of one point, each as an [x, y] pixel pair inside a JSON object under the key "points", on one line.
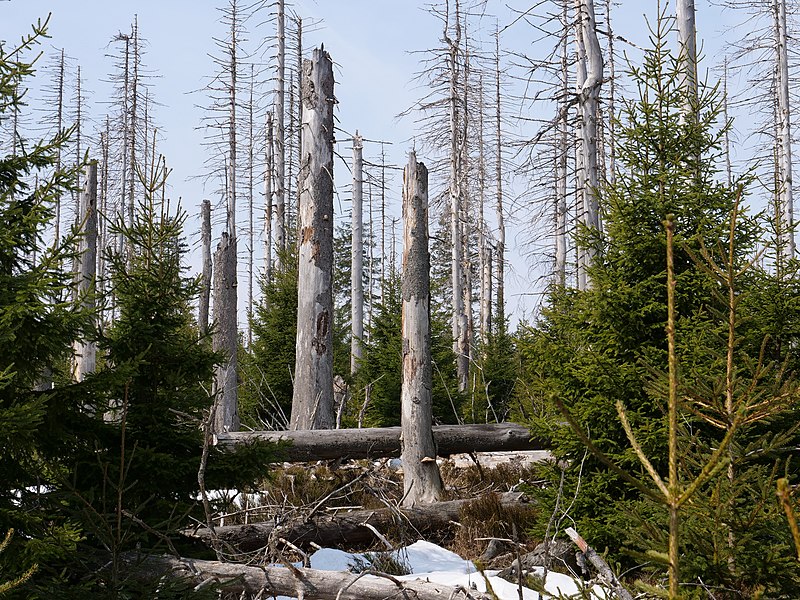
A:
{"points": [[659, 370]]}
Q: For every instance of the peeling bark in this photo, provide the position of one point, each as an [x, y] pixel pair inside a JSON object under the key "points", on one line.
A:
{"points": [[85, 277]]}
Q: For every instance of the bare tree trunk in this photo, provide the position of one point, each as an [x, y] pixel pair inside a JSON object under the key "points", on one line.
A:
{"points": [[687, 45], [225, 338], [312, 403], [500, 211], [459, 325], [250, 208], [357, 254], [131, 183], [562, 147], [590, 80], [484, 252], [269, 165], [785, 218], [280, 141], [86, 350], [421, 480], [205, 291], [381, 442], [294, 582]]}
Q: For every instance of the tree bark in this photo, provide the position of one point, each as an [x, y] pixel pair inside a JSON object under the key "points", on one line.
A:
{"points": [[687, 46], [500, 211], [85, 277], [205, 290], [312, 403], [309, 584], [225, 336], [347, 528], [421, 480], [269, 165], [357, 254], [378, 442], [280, 140], [785, 216]]}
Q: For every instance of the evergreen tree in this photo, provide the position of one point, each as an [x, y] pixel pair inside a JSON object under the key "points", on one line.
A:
{"points": [[606, 344], [38, 322], [381, 367]]}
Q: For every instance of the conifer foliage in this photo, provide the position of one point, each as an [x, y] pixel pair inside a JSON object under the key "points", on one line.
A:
{"points": [[596, 348]]}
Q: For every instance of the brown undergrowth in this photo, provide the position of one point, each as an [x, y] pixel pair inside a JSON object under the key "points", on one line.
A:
{"points": [[302, 491]]}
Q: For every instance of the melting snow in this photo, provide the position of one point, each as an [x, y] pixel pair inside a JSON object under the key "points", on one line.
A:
{"points": [[430, 562]]}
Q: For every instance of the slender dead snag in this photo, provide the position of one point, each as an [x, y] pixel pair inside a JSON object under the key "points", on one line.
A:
{"points": [[357, 257], [85, 276], [205, 278]]}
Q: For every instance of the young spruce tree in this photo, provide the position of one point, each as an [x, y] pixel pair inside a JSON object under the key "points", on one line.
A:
{"points": [[607, 344]]}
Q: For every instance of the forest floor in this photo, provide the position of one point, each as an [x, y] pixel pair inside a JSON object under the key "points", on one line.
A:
{"points": [[472, 552]]}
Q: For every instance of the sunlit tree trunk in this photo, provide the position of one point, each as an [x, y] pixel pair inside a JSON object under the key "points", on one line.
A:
{"points": [[422, 482], [357, 254], [280, 139], [785, 216], [312, 403], [85, 277]]}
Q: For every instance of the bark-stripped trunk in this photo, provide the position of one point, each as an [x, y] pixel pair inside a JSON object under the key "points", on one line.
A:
{"points": [[465, 218], [687, 46], [280, 141], [484, 251], [59, 127], [612, 98], [86, 350], [588, 106], [251, 167], [562, 147], [785, 217], [134, 106], [500, 211], [421, 480], [459, 324], [205, 290], [269, 165], [357, 253], [312, 403], [225, 338]]}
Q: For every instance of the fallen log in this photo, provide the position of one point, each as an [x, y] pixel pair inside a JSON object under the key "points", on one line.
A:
{"points": [[354, 528], [379, 442], [310, 584]]}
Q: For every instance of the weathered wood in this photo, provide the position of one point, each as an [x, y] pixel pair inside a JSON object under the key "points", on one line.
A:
{"points": [[85, 276], [225, 338], [421, 479], [312, 402], [356, 257], [310, 584], [599, 564], [205, 278], [378, 442], [280, 136], [349, 528]]}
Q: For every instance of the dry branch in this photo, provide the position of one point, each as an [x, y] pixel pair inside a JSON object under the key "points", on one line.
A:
{"points": [[353, 528]]}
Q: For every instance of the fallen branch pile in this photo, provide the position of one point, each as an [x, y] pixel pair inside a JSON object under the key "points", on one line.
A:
{"points": [[354, 528]]}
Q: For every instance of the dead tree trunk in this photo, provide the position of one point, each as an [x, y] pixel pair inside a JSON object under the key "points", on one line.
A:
{"points": [[357, 254], [381, 442], [687, 46], [785, 216], [269, 165], [588, 106], [205, 279], [353, 528], [562, 146], [86, 350], [421, 480], [225, 336], [500, 211], [312, 403], [294, 582], [280, 140]]}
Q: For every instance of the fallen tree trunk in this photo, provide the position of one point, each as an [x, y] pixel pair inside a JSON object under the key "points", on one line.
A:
{"points": [[310, 584], [354, 528], [378, 442]]}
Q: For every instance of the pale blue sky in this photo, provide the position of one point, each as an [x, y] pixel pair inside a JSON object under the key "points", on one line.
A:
{"points": [[369, 40]]}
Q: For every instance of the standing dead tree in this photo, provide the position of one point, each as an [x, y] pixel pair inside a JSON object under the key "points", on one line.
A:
{"points": [[85, 275], [357, 256], [312, 402], [421, 480]]}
